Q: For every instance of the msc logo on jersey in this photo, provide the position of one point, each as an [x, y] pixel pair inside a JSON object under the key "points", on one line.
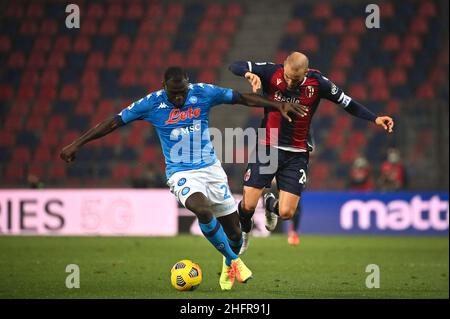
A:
{"points": [[185, 130]]}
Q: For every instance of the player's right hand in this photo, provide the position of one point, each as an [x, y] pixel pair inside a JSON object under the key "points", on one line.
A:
{"points": [[68, 153], [254, 80]]}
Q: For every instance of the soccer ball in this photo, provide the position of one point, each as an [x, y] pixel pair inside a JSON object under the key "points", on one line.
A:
{"points": [[186, 275]]}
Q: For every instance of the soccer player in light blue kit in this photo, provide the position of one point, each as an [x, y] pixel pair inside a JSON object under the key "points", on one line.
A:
{"points": [[180, 115]]}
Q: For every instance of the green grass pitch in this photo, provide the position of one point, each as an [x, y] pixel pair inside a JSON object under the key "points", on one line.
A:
{"points": [[139, 267]]}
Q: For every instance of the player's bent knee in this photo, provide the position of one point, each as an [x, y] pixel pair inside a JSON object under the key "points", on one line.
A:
{"points": [[286, 213], [248, 207]]}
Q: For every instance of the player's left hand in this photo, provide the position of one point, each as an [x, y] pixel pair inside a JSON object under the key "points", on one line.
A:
{"points": [[386, 122], [297, 109]]}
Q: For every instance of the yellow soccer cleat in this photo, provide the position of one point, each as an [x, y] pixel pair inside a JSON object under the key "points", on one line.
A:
{"points": [[227, 276], [243, 274]]}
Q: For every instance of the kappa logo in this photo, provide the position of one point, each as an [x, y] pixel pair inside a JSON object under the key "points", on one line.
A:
{"points": [[163, 105], [247, 175]]}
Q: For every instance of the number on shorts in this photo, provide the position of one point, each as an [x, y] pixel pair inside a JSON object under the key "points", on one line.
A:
{"points": [[302, 179], [225, 188]]}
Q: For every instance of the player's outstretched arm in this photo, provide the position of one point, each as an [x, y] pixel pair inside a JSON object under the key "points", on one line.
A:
{"points": [[103, 128], [255, 100]]}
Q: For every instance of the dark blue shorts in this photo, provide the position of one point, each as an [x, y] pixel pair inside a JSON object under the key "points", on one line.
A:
{"points": [[290, 173]]}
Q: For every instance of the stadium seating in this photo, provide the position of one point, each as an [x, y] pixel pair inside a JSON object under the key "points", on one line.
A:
{"points": [[56, 82]]}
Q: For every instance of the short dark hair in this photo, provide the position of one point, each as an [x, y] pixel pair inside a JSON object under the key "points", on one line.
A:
{"points": [[175, 73]]}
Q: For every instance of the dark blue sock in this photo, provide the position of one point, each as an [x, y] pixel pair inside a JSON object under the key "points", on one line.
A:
{"points": [[213, 231]]}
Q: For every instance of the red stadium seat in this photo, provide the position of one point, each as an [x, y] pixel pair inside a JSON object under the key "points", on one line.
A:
{"points": [[343, 59], [387, 9], [49, 139], [214, 11], [122, 43], [148, 27], [426, 91], [322, 10], [348, 154], [47, 92], [207, 26], [309, 43], [419, 26], [350, 43], [135, 10], [56, 60], [16, 60], [142, 43], [358, 92], [15, 10], [393, 107], [69, 92], [21, 154], [82, 44], [25, 92], [90, 77], [63, 43], [95, 10], [84, 107], [57, 171], [175, 58], [49, 27], [397, 76], [41, 43], [35, 124], [234, 10], [5, 43], [29, 27], [135, 59], [335, 26], [89, 27], [174, 11], [391, 42], [376, 76], [36, 169], [42, 155], [227, 26], [327, 108], [154, 10], [207, 76], [7, 138], [357, 26], [194, 60], [108, 27], [56, 123], [50, 77], [6, 92], [15, 172], [36, 60], [337, 76], [381, 93], [115, 61], [148, 155], [295, 26], [200, 44], [280, 56], [405, 59], [35, 10], [213, 60], [113, 139], [149, 79], [121, 172], [412, 42], [168, 27], [90, 93], [161, 44], [115, 10], [427, 9], [220, 44], [96, 60]]}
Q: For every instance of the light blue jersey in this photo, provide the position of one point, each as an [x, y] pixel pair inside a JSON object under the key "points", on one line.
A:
{"points": [[183, 132]]}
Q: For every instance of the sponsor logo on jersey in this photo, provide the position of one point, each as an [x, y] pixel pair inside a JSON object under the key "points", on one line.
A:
{"points": [[279, 81], [278, 96], [185, 190], [163, 106], [176, 115], [182, 181], [185, 130]]}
